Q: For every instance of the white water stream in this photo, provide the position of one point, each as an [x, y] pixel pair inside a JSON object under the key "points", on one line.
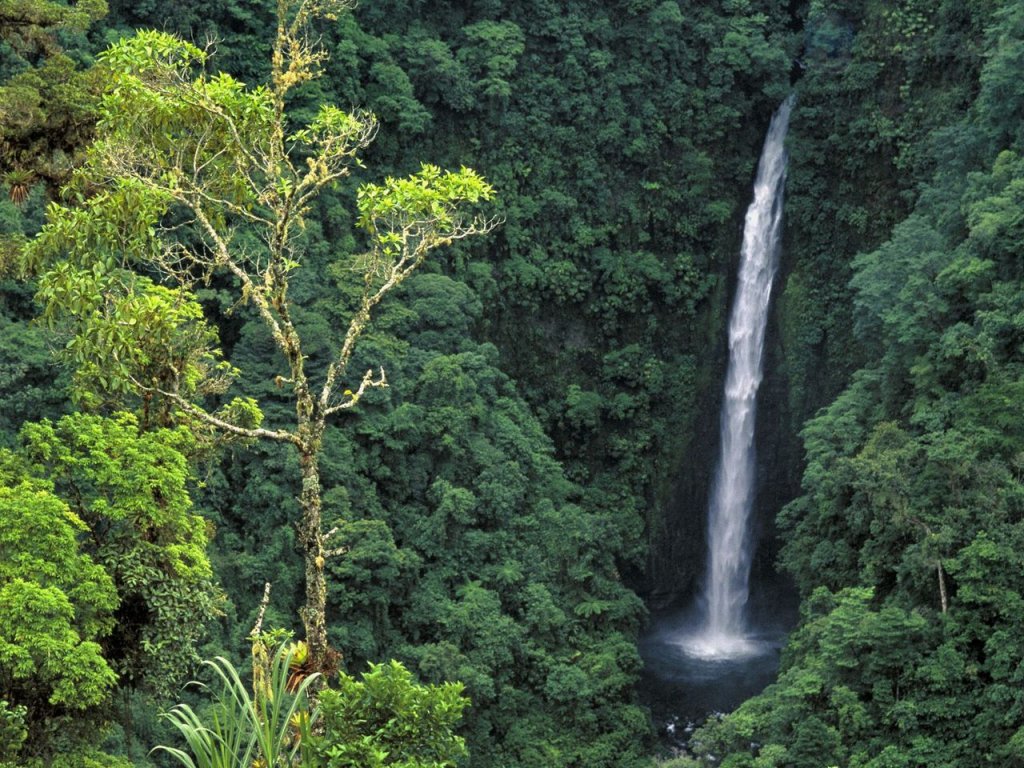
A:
{"points": [[724, 632]]}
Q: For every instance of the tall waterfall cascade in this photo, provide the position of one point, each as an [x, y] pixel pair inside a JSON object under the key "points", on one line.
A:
{"points": [[724, 633]]}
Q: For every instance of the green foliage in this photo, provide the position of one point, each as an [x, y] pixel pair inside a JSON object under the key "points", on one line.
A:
{"points": [[466, 550], [73, 758], [1001, 99], [31, 25], [104, 576], [56, 605], [31, 386], [491, 55], [468, 555], [13, 732], [48, 102], [879, 87], [130, 488], [621, 138], [130, 330], [427, 204], [386, 718], [183, 162]]}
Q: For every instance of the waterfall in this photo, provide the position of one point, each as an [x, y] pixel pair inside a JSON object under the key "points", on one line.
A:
{"points": [[726, 581]]}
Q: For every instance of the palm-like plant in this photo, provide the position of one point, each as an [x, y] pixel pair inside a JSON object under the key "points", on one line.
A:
{"points": [[19, 183], [269, 728]]}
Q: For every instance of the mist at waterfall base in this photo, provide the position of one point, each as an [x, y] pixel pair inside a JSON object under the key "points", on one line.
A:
{"points": [[716, 654], [683, 689]]}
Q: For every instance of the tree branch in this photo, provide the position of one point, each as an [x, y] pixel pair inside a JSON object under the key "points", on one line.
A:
{"points": [[224, 426], [367, 382], [257, 629]]}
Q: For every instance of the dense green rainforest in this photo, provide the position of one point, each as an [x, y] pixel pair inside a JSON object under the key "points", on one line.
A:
{"points": [[536, 470]]}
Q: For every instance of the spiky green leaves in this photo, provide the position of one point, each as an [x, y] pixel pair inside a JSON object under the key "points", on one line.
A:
{"points": [[271, 727], [385, 719]]}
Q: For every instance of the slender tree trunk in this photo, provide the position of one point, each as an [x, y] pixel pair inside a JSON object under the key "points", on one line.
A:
{"points": [[311, 536], [943, 597]]}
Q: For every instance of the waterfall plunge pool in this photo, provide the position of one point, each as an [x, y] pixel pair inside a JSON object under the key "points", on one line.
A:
{"points": [[683, 685]]}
